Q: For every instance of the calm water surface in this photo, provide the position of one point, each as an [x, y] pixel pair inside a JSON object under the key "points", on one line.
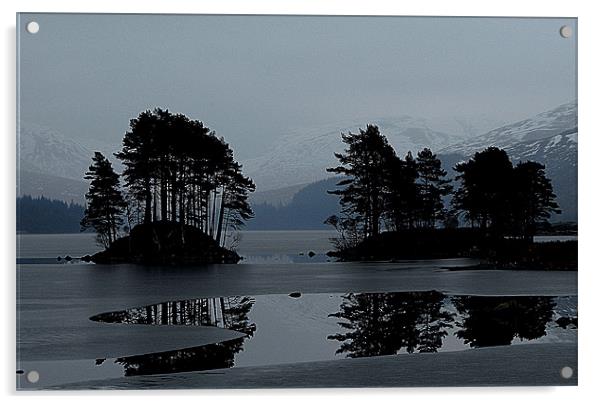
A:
{"points": [[306, 327], [254, 246]]}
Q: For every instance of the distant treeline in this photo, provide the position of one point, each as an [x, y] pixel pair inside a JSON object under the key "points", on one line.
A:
{"points": [[306, 211], [43, 215]]}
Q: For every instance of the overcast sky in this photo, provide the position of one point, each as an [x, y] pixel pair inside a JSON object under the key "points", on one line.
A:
{"points": [[253, 77]]}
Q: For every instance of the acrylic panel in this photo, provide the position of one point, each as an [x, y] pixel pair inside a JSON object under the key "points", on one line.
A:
{"points": [[212, 201]]}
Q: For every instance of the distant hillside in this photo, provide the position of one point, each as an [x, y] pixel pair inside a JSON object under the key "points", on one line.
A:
{"points": [[307, 210], [559, 154], [543, 138], [50, 165], [43, 150], [276, 197], [51, 186], [549, 138], [303, 155], [42, 215], [541, 126]]}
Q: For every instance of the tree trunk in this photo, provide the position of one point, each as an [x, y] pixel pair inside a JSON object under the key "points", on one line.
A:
{"points": [[226, 229], [183, 203], [206, 211], [155, 204], [220, 221], [174, 199], [223, 307], [375, 216], [148, 200], [212, 231], [163, 192]]}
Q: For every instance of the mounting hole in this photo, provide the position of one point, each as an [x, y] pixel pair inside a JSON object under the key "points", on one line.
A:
{"points": [[566, 31], [566, 372], [33, 376], [33, 27]]}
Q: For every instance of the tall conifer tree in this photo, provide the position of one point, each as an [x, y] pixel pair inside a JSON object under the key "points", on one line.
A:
{"points": [[105, 204]]}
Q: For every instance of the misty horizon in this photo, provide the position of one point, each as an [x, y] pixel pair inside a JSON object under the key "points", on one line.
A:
{"points": [[312, 72]]}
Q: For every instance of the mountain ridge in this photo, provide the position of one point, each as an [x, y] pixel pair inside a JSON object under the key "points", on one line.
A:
{"points": [[304, 154], [46, 151], [541, 126]]}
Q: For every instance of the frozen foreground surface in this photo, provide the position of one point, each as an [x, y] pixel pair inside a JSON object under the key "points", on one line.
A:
{"points": [[55, 333], [290, 347], [520, 365]]}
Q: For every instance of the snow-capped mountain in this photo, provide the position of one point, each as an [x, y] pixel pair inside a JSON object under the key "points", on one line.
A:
{"points": [[557, 151], [48, 152], [303, 155], [549, 138], [541, 126], [51, 165], [559, 154]]}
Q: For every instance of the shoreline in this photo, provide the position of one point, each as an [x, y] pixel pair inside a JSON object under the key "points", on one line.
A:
{"points": [[515, 365]]}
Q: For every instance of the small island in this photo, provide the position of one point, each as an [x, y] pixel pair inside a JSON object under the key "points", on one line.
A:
{"points": [[396, 208], [183, 194]]}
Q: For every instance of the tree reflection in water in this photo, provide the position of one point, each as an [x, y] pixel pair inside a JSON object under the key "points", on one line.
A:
{"points": [[388, 323], [490, 321], [225, 312], [372, 324], [385, 323], [206, 357]]}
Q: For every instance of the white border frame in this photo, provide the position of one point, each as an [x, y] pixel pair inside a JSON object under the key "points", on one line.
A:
{"points": [[590, 194]]}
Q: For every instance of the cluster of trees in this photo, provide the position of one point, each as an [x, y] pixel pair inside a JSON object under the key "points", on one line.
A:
{"points": [[382, 192], [502, 198], [105, 203], [175, 170]]}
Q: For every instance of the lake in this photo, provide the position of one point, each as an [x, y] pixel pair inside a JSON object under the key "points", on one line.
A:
{"points": [[278, 306]]}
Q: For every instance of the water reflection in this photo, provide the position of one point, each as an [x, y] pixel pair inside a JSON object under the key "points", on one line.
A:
{"points": [[364, 324], [491, 321], [206, 357], [225, 312], [386, 323]]}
